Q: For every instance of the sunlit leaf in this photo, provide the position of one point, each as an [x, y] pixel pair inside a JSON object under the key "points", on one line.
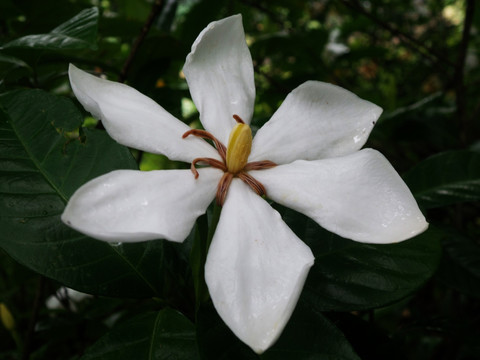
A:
{"points": [[79, 32]]}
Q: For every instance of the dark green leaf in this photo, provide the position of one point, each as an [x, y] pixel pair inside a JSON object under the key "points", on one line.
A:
{"points": [[79, 32], [43, 162], [348, 275], [447, 178], [460, 266], [166, 334], [308, 335]]}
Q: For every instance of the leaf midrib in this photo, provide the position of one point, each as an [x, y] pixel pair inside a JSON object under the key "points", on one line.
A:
{"points": [[36, 163]]}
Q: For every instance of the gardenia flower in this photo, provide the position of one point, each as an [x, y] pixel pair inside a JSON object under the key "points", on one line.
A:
{"points": [[307, 157]]}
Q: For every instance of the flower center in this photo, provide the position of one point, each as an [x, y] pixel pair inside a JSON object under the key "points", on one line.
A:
{"points": [[234, 159]]}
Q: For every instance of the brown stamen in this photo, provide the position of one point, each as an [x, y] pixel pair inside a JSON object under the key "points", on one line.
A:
{"points": [[222, 150], [259, 165], [209, 161], [253, 183], [238, 119], [222, 188]]}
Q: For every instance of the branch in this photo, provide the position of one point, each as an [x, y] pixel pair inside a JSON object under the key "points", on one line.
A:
{"points": [[410, 41], [156, 9], [265, 10], [459, 72]]}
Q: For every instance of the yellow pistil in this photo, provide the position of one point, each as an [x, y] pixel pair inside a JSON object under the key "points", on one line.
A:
{"points": [[239, 147]]}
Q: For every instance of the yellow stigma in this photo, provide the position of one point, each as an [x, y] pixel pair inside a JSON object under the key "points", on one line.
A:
{"points": [[239, 146]]}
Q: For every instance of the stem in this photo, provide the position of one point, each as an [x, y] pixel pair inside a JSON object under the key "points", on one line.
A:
{"points": [[33, 320], [199, 253], [213, 224], [156, 9], [459, 73]]}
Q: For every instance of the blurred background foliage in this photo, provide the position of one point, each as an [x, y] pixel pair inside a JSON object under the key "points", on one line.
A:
{"points": [[418, 59]]}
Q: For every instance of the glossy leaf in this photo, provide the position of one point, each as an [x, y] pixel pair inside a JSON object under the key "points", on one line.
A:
{"points": [[161, 335], [447, 178], [349, 276], [79, 32], [308, 335], [43, 162]]}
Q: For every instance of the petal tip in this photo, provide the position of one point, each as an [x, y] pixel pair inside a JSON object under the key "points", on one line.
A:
{"points": [[75, 74], [210, 27]]}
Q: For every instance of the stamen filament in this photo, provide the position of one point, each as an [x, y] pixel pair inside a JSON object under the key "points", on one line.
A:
{"points": [[222, 149], [259, 165], [212, 162], [222, 187], [253, 183]]}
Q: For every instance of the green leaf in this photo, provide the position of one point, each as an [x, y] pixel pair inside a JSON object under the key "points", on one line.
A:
{"points": [[166, 334], [349, 275], [445, 179], [308, 335], [43, 162], [79, 32]]}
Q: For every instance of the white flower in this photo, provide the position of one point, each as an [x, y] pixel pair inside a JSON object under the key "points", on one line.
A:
{"points": [[256, 266], [65, 297]]}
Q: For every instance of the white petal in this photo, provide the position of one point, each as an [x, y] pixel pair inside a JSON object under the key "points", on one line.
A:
{"points": [[131, 206], [219, 73], [317, 120], [359, 196], [255, 269], [135, 120]]}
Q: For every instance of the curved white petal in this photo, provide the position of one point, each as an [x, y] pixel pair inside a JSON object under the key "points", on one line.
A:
{"points": [[316, 121], [219, 72], [135, 120], [131, 206], [255, 269], [358, 196]]}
